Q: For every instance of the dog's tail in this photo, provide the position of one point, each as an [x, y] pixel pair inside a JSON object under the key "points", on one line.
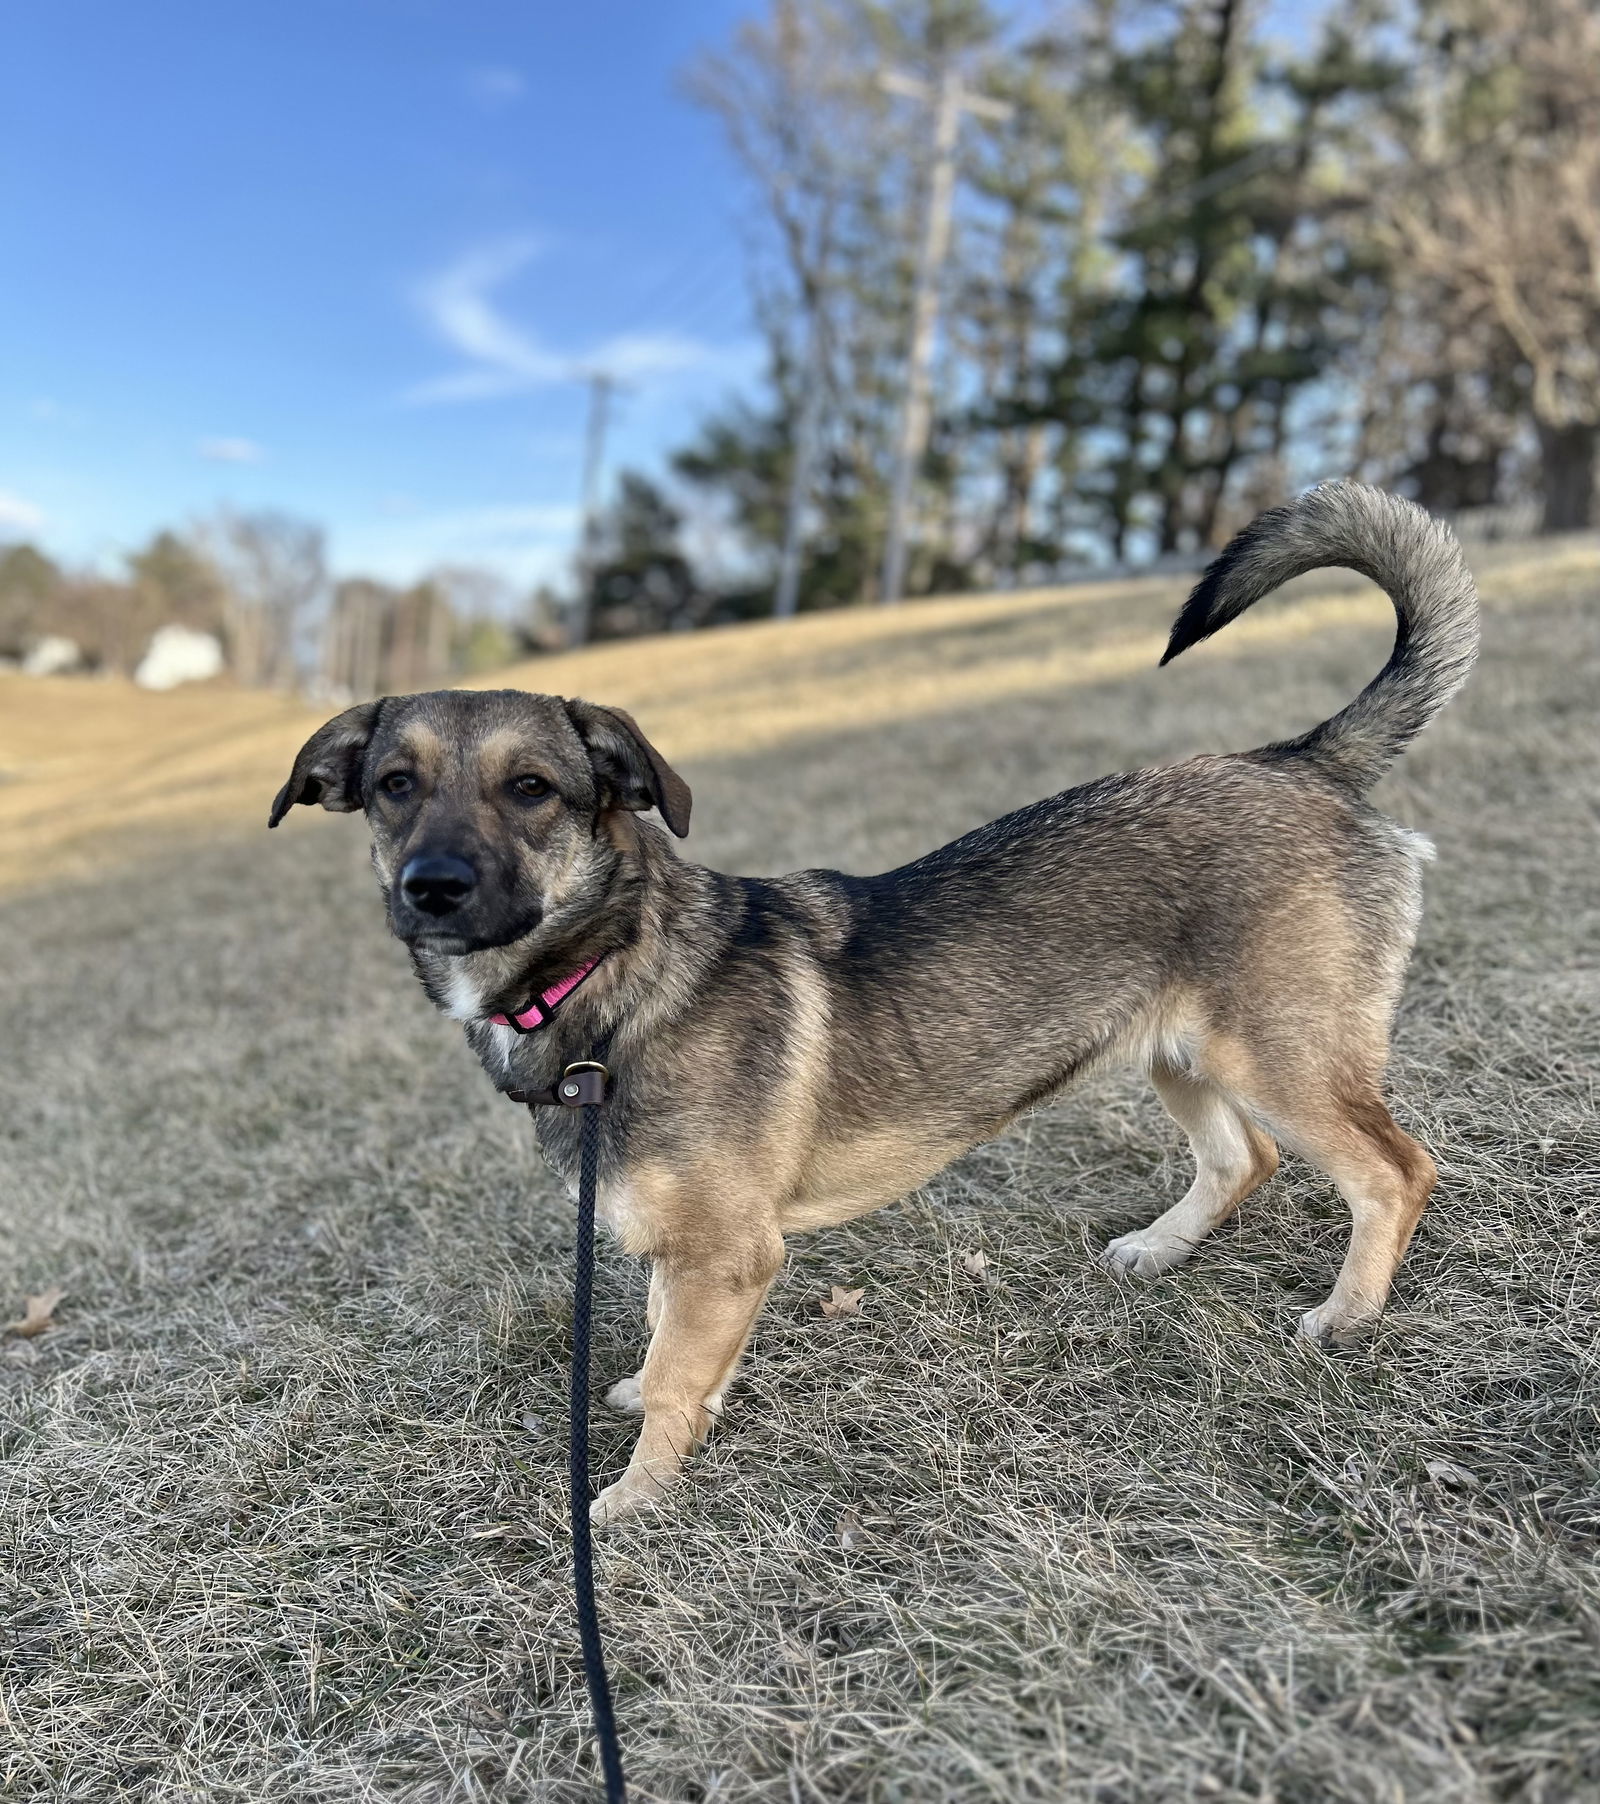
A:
{"points": [[1406, 552]]}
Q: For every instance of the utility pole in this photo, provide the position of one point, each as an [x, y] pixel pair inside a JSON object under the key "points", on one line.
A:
{"points": [[601, 388], [949, 102]]}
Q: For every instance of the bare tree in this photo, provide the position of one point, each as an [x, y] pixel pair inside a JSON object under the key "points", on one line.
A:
{"points": [[29, 583], [480, 626], [1498, 224], [273, 570], [792, 98], [379, 640], [351, 662]]}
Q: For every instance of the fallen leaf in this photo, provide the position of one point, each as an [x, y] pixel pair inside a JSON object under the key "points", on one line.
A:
{"points": [[36, 1315], [975, 1265], [1458, 1478], [842, 1302], [850, 1529]]}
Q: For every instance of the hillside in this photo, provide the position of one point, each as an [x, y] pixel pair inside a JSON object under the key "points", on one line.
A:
{"points": [[283, 1486], [92, 772]]}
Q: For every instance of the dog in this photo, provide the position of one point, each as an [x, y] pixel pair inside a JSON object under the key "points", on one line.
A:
{"points": [[791, 1052]]}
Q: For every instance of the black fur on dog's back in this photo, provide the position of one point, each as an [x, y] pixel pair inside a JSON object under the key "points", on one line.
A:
{"points": [[1413, 557]]}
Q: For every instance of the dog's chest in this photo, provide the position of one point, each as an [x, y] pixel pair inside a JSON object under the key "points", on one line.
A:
{"points": [[620, 1206], [460, 994]]}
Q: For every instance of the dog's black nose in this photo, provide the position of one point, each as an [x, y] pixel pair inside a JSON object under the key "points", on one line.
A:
{"points": [[438, 886]]}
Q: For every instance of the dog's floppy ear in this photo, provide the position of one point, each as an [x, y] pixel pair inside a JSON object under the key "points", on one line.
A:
{"points": [[629, 767], [328, 769]]}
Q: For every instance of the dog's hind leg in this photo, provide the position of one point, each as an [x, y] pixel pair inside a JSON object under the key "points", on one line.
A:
{"points": [[1232, 1157], [1385, 1178], [1325, 1105], [708, 1306]]}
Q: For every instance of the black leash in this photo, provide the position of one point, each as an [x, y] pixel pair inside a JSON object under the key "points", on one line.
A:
{"points": [[583, 1087]]}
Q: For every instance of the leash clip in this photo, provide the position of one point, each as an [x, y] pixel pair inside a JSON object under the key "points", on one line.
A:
{"points": [[581, 1086]]}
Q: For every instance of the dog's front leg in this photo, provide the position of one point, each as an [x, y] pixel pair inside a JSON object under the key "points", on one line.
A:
{"points": [[625, 1394], [707, 1305]]}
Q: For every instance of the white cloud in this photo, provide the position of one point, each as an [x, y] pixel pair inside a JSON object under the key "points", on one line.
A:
{"points": [[457, 306], [231, 451], [17, 515], [494, 86], [502, 359]]}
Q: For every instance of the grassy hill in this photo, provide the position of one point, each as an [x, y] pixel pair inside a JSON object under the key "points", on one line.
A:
{"points": [[95, 772], [282, 1493]]}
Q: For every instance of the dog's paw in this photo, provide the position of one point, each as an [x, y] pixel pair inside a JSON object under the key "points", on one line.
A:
{"points": [[1330, 1325], [1146, 1254], [626, 1395], [629, 1496]]}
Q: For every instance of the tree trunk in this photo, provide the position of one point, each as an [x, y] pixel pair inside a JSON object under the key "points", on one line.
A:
{"points": [[1567, 470]]}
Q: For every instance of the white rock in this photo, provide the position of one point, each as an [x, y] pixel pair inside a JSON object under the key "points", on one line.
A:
{"points": [[178, 654]]}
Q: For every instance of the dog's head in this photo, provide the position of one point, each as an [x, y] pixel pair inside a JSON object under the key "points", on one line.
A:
{"points": [[491, 811]]}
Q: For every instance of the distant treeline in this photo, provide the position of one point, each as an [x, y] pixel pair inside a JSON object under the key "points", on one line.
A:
{"points": [[259, 584], [1188, 272]]}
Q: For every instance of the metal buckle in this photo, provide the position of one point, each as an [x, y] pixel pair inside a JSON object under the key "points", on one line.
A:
{"points": [[583, 1085]]}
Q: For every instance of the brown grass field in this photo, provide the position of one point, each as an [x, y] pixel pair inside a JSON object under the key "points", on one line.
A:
{"points": [[281, 1491]]}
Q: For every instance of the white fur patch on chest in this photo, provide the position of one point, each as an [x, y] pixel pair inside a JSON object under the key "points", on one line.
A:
{"points": [[463, 999]]}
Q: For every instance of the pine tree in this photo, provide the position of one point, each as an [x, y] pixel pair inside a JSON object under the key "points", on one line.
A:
{"points": [[640, 580], [1229, 290]]}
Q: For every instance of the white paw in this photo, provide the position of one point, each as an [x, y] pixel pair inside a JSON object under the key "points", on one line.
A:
{"points": [[626, 1395], [627, 1497], [1333, 1326], [1146, 1254]]}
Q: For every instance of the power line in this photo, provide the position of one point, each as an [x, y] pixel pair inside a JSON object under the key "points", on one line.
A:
{"points": [[689, 284]]}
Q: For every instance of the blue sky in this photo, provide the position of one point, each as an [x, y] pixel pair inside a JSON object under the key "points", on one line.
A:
{"points": [[345, 257]]}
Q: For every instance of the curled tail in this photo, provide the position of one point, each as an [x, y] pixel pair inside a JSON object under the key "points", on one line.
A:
{"points": [[1406, 552]]}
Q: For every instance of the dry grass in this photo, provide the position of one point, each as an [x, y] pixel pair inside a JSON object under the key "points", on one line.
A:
{"points": [[281, 1502], [95, 772]]}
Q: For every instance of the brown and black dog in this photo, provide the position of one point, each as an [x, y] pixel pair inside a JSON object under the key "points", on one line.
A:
{"points": [[795, 1051]]}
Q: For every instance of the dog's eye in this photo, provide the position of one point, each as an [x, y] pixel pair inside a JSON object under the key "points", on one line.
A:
{"points": [[531, 787], [397, 783]]}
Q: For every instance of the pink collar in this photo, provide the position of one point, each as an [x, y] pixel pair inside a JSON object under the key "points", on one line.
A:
{"points": [[544, 1005]]}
